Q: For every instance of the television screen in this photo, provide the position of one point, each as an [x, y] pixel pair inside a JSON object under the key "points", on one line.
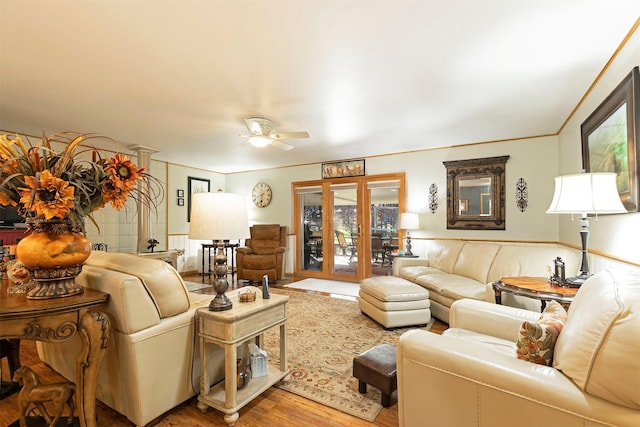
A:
{"points": [[9, 217]]}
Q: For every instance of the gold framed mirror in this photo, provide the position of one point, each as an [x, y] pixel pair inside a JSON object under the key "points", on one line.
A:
{"points": [[475, 193]]}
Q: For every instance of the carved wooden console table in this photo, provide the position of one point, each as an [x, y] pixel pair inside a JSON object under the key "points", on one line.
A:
{"points": [[58, 319]]}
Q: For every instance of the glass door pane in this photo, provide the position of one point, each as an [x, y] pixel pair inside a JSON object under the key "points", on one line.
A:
{"points": [[345, 228], [383, 197], [311, 226]]}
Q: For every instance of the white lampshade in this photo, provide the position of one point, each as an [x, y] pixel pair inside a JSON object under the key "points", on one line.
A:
{"points": [[409, 221], [588, 193], [218, 216]]}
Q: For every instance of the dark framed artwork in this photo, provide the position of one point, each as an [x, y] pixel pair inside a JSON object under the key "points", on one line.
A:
{"points": [[180, 193], [196, 185], [343, 169], [610, 136], [180, 201]]}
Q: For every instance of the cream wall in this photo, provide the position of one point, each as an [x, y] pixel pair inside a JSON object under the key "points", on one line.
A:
{"points": [[613, 235], [533, 159], [178, 230]]}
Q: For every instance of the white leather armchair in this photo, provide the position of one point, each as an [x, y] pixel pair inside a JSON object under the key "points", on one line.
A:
{"points": [[470, 375], [152, 360]]}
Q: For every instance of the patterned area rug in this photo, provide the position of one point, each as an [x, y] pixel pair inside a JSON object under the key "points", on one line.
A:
{"points": [[324, 335]]}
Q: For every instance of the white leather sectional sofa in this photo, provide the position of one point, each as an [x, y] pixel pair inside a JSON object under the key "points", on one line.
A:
{"points": [[456, 269], [471, 376], [152, 360]]}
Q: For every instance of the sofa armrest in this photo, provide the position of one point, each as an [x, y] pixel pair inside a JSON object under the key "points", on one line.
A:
{"points": [[405, 262], [452, 382], [244, 250], [489, 319]]}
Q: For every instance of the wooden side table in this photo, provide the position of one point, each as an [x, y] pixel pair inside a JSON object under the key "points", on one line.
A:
{"points": [[58, 319], [228, 329], [534, 287]]}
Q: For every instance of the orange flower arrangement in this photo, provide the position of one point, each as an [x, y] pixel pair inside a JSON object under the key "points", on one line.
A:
{"points": [[45, 184]]}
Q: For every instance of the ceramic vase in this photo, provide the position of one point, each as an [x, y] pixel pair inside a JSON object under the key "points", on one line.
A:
{"points": [[54, 254]]}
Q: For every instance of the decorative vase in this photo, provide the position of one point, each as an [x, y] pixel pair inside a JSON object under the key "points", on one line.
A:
{"points": [[244, 374], [54, 254]]}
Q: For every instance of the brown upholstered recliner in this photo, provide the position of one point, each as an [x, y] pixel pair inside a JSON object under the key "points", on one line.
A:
{"points": [[263, 253]]}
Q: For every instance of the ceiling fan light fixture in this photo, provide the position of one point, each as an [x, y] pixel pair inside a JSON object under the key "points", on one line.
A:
{"points": [[259, 141]]}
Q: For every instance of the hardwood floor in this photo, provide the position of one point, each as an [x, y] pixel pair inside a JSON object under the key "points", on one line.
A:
{"points": [[274, 407]]}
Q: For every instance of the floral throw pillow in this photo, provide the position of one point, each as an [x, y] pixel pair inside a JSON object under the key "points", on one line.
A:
{"points": [[536, 340]]}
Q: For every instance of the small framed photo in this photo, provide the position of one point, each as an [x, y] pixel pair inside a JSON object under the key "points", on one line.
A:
{"points": [[180, 201], [181, 193]]}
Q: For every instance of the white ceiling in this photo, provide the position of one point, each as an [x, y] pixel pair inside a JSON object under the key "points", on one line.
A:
{"points": [[362, 77]]}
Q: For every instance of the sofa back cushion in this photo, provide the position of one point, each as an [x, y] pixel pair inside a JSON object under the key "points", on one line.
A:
{"points": [[475, 259], [130, 307], [443, 254], [599, 345], [161, 281], [531, 260], [265, 238]]}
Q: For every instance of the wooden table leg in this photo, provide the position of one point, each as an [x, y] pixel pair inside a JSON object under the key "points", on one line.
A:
{"points": [[94, 328]]}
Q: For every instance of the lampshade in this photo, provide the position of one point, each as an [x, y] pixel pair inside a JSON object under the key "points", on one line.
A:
{"points": [[589, 193], [409, 221], [218, 216]]}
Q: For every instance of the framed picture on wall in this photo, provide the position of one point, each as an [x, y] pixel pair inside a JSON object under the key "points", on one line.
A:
{"points": [[610, 136], [196, 185], [343, 169]]}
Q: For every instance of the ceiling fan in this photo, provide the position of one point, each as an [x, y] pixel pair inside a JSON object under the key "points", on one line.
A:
{"points": [[261, 134]]}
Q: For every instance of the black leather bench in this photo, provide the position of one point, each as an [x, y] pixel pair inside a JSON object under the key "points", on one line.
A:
{"points": [[377, 367]]}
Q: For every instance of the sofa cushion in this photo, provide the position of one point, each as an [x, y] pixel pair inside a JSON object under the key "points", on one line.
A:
{"points": [[536, 340], [162, 282], [599, 344], [265, 238], [530, 260], [475, 259], [453, 286], [412, 272], [443, 254]]}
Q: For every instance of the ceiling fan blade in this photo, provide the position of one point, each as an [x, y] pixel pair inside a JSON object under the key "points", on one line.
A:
{"points": [[289, 135], [281, 145]]}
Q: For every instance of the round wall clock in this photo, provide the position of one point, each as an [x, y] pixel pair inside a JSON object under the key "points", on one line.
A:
{"points": [[261, 195]]}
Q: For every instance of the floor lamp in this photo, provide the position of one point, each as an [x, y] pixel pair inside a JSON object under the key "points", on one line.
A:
{"points": [[409, 221], [584, 194], [218, 217]]}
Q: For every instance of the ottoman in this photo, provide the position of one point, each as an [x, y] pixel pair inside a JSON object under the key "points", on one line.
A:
{"points": [[377, 367], [394, 302]]}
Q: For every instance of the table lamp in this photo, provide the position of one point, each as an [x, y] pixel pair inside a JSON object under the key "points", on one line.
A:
{"points": [[583, 194], [409, 221], [219, 216]]}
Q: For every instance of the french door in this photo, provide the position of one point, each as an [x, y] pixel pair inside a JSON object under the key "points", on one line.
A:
{"points": [[344, 225]]}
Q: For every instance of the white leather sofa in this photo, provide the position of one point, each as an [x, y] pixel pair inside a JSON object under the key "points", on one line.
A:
{"points": [[470, 375], [456, 269], [152, 363]]}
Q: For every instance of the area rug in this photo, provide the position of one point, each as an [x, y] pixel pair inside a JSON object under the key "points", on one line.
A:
{"points": [[324, 334], [196, 286], [330, 286]]}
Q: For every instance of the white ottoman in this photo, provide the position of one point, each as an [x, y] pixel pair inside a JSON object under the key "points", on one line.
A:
{"points": [[394, 302]]}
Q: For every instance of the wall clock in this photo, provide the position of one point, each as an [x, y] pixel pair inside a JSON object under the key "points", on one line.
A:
{"points": [[261, 195]]}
